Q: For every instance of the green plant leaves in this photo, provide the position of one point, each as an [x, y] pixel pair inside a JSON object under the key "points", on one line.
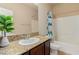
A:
{"points": [[2, 19], [8, 17], [1, 27], [6, 23], [9, 23], [9, 29]]}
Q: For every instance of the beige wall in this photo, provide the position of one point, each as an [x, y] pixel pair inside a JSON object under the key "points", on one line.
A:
{"points": [[42, 18], [61, 10], [25, 17]]}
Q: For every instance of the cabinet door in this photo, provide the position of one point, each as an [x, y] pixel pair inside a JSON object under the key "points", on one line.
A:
{"points": [[47, 47], [39, 50]]}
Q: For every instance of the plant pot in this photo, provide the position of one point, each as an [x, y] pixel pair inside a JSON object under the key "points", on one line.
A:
{"points": [[4, 42]]}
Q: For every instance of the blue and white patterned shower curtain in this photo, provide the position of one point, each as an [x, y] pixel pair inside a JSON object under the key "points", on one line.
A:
{"points": [[49, 27]]}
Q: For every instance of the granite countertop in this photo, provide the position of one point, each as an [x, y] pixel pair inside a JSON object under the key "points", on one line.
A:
{"points": [[15, 48]]}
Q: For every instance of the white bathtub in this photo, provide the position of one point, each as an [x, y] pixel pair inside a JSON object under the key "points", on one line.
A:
{"points": [[67, 48]]}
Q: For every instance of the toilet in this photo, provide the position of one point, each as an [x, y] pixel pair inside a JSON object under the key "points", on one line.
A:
{"points": [[54, 48]]}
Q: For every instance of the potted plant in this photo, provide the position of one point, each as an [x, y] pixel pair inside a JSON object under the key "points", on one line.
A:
{"points": [[6, 26]]}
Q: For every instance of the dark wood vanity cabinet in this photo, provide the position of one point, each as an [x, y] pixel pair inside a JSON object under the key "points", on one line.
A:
{"points": [[47, 47], [39, 50], [42, 49]]}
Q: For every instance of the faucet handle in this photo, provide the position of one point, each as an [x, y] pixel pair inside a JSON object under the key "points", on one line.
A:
{"points": [[23, 36], [28, 35]]}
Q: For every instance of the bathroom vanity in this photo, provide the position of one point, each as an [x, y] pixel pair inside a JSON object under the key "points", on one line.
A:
{"points": [[40, 48]]}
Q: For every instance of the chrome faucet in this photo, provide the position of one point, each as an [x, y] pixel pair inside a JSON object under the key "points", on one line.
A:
{"points": [[28, 36], [23, 36]]}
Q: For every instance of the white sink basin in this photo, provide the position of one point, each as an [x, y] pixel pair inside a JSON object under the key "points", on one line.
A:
{"points": [[29, 41]]}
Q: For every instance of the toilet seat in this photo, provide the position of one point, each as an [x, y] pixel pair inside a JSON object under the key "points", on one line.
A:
{"points": [[54, 46]]}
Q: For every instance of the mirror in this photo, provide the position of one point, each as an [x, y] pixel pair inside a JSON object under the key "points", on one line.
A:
{"points": [[25, 17], [4, 11], [6, 17]]}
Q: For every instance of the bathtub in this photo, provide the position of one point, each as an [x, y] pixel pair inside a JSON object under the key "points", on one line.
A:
{"points": [[68, 49]]}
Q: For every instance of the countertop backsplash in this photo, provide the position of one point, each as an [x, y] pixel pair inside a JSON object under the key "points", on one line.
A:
{"points": [[20, 36]]}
